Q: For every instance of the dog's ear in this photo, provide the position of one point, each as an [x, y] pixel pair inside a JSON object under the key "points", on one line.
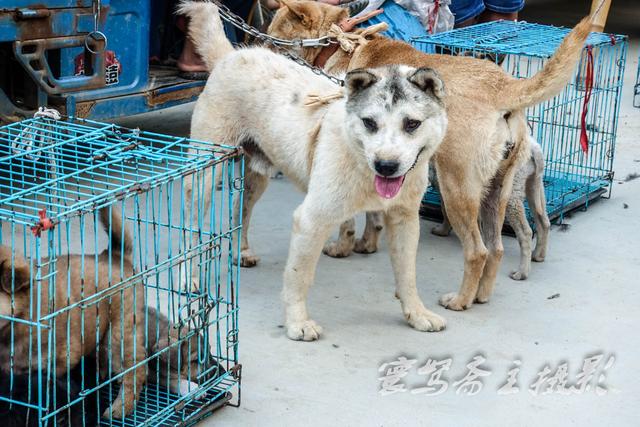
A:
{"points": [[298, 10], [428, 80], [358, 80], [17, 273]]}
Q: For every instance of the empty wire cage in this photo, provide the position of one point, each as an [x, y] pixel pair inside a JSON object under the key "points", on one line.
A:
{"points": [[572, 177], [96, 327]]}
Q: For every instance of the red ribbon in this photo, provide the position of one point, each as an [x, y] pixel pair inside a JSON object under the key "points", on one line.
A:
{"points": [[433, 15], [44, 224], [584, 139]]}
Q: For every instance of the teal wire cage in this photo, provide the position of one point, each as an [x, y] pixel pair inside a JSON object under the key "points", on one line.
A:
{"points": [[95, 325], [636, 88], [573, 178]]}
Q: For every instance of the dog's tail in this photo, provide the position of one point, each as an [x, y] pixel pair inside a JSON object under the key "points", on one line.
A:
{"points": [[537, 156], [556, 74], [120, 237], [206, 31]]}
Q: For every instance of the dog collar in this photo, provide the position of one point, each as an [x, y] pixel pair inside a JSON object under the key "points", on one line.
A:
{"points": [[347, 25]]}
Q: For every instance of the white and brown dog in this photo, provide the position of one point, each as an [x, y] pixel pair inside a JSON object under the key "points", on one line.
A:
{"points": [[366, 151]]}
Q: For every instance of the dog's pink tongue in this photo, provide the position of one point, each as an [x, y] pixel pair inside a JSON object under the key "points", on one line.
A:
{"points": [[388, 187]]}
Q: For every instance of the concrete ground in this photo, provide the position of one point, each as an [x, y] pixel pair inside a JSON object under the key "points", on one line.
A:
{"points": [[592, 271]]}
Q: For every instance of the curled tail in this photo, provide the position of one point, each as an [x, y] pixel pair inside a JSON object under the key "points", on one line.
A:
{"points": [[206, 31], [556, 74], [120, 238]]}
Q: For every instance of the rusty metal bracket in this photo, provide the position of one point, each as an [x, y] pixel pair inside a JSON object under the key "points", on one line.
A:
{"points": [[31, 54]]}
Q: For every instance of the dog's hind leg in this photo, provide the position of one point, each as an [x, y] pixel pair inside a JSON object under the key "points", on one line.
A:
{"points": [[463, 206], [344, 244], [255, 184], [492, 217], [308, 234], [403, 232], [347, 243], [517, 219], [538, 207], [368, 244]]}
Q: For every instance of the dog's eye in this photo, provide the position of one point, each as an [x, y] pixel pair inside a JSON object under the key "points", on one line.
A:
{"points": [[370, 124], [410, 125]]}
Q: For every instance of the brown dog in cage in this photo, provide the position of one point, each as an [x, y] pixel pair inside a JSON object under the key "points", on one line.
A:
{"points": [[180, 359], [486, 139], [106, 320]]}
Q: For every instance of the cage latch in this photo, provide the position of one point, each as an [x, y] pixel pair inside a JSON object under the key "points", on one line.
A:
{"points": [[44, 223]]}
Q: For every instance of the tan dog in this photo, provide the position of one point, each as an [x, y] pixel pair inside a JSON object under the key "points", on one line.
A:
{"points": [[18, 295], [527, 184], [486, 139]]}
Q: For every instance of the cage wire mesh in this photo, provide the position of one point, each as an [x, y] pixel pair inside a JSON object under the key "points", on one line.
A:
{"points": [[95, 326], [572, 178], [636, 88]]}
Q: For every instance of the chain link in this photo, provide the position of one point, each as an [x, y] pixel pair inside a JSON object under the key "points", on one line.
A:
{"points": [[97, 10], [96, 35], [279, 44]]}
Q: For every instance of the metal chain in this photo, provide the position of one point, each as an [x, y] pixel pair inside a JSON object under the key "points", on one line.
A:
{"points": [[277, 43], [97, 9], [96, 35], [241, 24]]}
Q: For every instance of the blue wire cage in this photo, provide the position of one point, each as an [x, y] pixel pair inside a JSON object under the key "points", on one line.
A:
{"points": [[572, 178], [89, 316], [636, 88]]}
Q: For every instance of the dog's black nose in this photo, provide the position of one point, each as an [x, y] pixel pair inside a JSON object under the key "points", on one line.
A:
{"points": [[386, 167]]}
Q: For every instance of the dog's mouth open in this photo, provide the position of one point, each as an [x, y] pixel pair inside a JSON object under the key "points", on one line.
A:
{"points": [[388, 187]]}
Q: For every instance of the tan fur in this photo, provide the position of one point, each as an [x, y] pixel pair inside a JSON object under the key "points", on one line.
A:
{"points": [[475, 179], [171, 363], [118, 313]]}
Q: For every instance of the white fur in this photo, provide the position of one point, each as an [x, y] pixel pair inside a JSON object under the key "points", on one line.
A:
{"points": [[257, 94], [184, 387]]}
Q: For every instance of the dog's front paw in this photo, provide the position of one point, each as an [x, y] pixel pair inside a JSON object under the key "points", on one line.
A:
{"points": [[247, 259], [425, 320], [307, 330], [337, 249], [364, 246], [518, 275], [453, 301]]}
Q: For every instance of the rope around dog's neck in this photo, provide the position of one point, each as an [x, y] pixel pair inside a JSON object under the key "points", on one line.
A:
{"points": [[349, 41]]}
